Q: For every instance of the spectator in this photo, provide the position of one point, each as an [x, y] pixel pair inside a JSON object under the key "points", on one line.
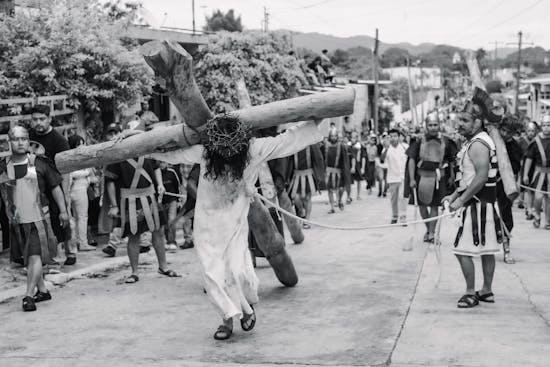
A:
{"points": [[396, 159], [49, 142], [79, 183]]}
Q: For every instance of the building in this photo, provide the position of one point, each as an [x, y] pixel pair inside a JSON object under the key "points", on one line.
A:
{"points": [[538, 98], [420, 76]]}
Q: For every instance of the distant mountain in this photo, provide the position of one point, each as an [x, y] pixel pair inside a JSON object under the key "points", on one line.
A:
{"points": [[317, 42]]}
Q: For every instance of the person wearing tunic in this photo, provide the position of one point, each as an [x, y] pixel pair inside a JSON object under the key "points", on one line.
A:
{"points": [[26, 181], [430, 170], [337, 169], [132, 196], [372, 153], [308, 173], [230, 161], [528, 196], [538, 154], [480, 231], [358, 155], [507, 129]]}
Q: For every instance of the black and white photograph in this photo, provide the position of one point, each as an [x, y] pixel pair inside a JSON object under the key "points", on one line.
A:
{"points": [[284, 183]]}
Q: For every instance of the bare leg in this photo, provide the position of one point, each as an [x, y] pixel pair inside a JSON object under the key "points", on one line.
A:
{"points": [[340, 197], [488, 263], [434, 212], [299, 204], [424, 214], [331, 199], [547, 209], [133, 252], [34, 275], [158, 245], [307, 205], [468, 270]]}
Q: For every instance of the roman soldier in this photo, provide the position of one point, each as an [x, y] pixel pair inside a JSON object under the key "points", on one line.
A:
{"points": [[372, 153], [358, 155], [137, 205], [480, 230], [28, 181], [337, 168], [430, 170], [308, 173], [538, 154], [507, 128], [527, 195]]}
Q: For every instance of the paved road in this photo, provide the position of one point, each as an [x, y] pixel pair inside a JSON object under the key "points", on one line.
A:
{"points": [[361, 300]]}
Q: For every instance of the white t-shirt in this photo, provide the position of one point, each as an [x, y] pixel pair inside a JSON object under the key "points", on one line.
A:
{"points": [[396, 159]]}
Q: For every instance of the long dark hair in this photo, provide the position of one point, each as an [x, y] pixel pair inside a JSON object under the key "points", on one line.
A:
{"points": [[225, 162]]}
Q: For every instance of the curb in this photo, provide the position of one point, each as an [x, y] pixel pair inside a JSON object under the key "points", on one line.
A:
{"points": [[63, 278]]}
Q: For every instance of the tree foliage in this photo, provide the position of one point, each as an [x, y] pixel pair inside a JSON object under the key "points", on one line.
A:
{"points": [[398, 92], [70, 47], [219, 21], [262, 59], [393, 57]]}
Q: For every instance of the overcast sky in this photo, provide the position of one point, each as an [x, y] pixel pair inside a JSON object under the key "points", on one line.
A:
{"points": [[464, 23]]}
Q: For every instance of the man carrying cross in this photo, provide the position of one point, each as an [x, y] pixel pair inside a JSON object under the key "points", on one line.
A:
{"points": [[230, 160]]}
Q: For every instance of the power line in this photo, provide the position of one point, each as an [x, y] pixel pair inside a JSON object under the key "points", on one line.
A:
{"points": [[502, 22], [314, 5]]}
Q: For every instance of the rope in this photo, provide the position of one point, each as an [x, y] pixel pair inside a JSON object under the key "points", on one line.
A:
{"points": [[268, 203], [535, 190], [347, 228]]}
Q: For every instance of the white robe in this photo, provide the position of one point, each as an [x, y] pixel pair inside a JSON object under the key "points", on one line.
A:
{"points": [[221, 224]]}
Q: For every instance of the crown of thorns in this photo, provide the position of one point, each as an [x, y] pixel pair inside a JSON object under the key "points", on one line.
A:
{"points": [[226, 142]]}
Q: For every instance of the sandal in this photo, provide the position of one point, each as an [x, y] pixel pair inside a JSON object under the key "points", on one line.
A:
{"points": [[42, 296], [169, 273], [249, 320], [223, 333], [487, 297], [28, 304], [467, 301], [131, 279]]}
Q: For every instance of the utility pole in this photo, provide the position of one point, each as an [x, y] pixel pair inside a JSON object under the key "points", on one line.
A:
{"points": [[424, 96], [494, 71], [518, 72], [265, 22], [193, 9], [412, 105], [375, 66]]}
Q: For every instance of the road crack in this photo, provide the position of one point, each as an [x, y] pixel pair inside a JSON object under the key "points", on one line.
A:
{"points": [[534, 307]]}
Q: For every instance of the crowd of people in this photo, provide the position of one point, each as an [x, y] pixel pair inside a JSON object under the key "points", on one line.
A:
{"points": [[141, 199]]}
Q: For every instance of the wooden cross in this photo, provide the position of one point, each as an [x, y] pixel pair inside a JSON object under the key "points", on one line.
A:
{"points": [[173, 64]]}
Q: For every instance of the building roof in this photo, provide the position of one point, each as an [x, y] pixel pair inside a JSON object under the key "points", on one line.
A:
{"points": [[370, 82], [539, 79], [150, 34]]}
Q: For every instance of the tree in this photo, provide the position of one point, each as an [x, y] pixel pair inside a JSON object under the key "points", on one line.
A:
{"points": [[70, 47], [262, 59], [340, 57], [398, 92], [394, 56], [118, 10], [219, 21]]}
